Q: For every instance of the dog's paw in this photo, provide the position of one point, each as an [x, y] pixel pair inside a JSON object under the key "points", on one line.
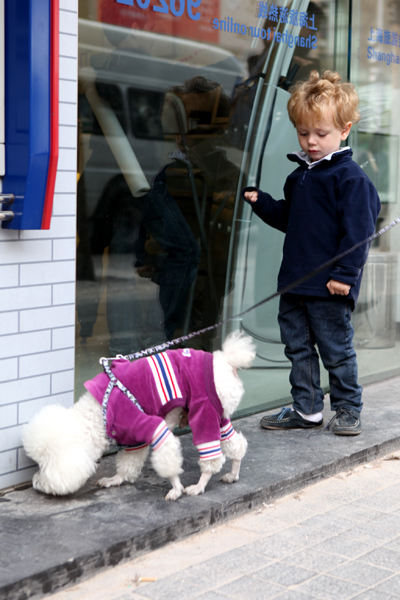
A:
{"points": [[107, 482], [194, 490], [174, 494], [229, 478]]}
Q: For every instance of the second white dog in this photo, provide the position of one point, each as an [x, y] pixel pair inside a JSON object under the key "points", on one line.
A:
{"points": [[163, 390]]}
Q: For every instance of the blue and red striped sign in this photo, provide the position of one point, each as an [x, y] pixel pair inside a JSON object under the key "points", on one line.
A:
{"points": [[31, 109]]}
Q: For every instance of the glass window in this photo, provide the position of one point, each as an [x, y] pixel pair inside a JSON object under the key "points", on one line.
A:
{"points": [[145, 110], [375, 70], [111, 95], [182, 104]]}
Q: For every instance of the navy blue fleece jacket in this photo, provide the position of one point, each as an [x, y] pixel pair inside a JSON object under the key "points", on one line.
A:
{"points": [[329, 206]]}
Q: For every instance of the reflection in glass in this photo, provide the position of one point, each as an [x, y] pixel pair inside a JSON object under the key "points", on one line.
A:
{"points": [[175, 117], [156, 189]]}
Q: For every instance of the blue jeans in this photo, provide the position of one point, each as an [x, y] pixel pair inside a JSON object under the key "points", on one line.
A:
{"points": [[307, 322]]}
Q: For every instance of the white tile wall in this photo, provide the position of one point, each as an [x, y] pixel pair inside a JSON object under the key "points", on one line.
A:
{"points": [[46, 362], [50, 272], [62, 382], [8, 416], [63, 293], [18, 251], [66, 132], [71, 5], [63, 338], [25, 343], [8, 461], [9, 322], [28, 409], [68, 111], [37, 289], [64, 204], [24, 389], [68, 46], [67, 157], [47, 318], [9, 276], [8, 369], [19, 298]]}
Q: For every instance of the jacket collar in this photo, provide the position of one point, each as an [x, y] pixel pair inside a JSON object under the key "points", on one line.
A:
{"points": [[303, 159]]}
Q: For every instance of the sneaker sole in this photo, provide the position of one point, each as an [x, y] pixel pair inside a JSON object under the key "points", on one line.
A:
{"points": [[347, 432], [277, 427]]}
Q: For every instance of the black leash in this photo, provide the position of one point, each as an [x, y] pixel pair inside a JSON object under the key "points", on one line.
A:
{"points": [[160, 348]]}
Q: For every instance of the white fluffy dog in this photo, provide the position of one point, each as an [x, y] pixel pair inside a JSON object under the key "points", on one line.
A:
{"points": [[68, 443]]}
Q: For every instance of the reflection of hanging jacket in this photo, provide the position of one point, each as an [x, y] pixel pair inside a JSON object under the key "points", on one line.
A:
{"points": [[161, 382]]}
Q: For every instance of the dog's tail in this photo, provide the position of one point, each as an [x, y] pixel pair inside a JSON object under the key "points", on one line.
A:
{"points": [[239, 350]]}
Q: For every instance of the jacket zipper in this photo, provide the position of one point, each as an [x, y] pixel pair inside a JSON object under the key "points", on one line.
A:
{"points": [[304, 176]]}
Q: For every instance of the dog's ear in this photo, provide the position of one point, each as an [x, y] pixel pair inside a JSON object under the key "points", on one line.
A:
{"points": [[56, 441], [66, 473]]}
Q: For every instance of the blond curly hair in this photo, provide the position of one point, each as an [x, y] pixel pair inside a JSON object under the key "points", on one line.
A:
{"points": [[312, 98]]}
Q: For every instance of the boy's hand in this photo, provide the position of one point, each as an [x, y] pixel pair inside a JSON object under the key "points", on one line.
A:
{"points": [[337, 287], [252, 196]]}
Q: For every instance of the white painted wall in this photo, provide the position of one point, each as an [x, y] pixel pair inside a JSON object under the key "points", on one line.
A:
{"points": [[37, 288]]}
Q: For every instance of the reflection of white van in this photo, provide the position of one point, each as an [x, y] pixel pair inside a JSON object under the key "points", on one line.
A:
{"points": [[133, 79]]}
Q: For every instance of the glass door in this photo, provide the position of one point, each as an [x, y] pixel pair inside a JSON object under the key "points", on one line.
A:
{"points": [[375, 69], [181, 104], [256, 249]]}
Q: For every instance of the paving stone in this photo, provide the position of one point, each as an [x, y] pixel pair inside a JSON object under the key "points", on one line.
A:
{"points": [[211, 596], [207, 575], [242, 560], [327, 524], [316, 560], [390, 586], [170, 587], [343, 546], [371, 533], [284, 574], [390, 521], [330, 588], [277, 546], [385, 500], [375, 595], [357, 513], [294, 513], [266, 521], [382, 557], [250, 587], [294, 595], [393, 544], [362, 573]]}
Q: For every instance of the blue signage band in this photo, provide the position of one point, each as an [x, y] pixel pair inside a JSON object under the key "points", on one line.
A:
{"points": [[28, 131]]}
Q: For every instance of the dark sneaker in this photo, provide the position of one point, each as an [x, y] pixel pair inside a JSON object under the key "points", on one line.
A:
{"points": [[346, 422], [288, 419]]}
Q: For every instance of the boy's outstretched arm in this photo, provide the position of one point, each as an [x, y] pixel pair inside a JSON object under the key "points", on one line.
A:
{"points": [[251, 196], [273, 212]]}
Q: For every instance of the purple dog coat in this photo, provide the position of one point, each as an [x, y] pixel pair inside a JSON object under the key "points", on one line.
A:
{"points": [[161, 382]]}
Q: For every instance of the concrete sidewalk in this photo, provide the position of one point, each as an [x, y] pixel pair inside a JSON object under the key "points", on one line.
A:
{"points": [[48, 543], [338, 539]]}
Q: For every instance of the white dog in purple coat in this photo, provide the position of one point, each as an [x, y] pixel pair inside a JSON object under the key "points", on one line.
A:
{"points": [[161, 391]]}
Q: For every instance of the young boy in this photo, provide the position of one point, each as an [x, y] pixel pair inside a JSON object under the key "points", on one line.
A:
{"points": [[330, 205]]}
